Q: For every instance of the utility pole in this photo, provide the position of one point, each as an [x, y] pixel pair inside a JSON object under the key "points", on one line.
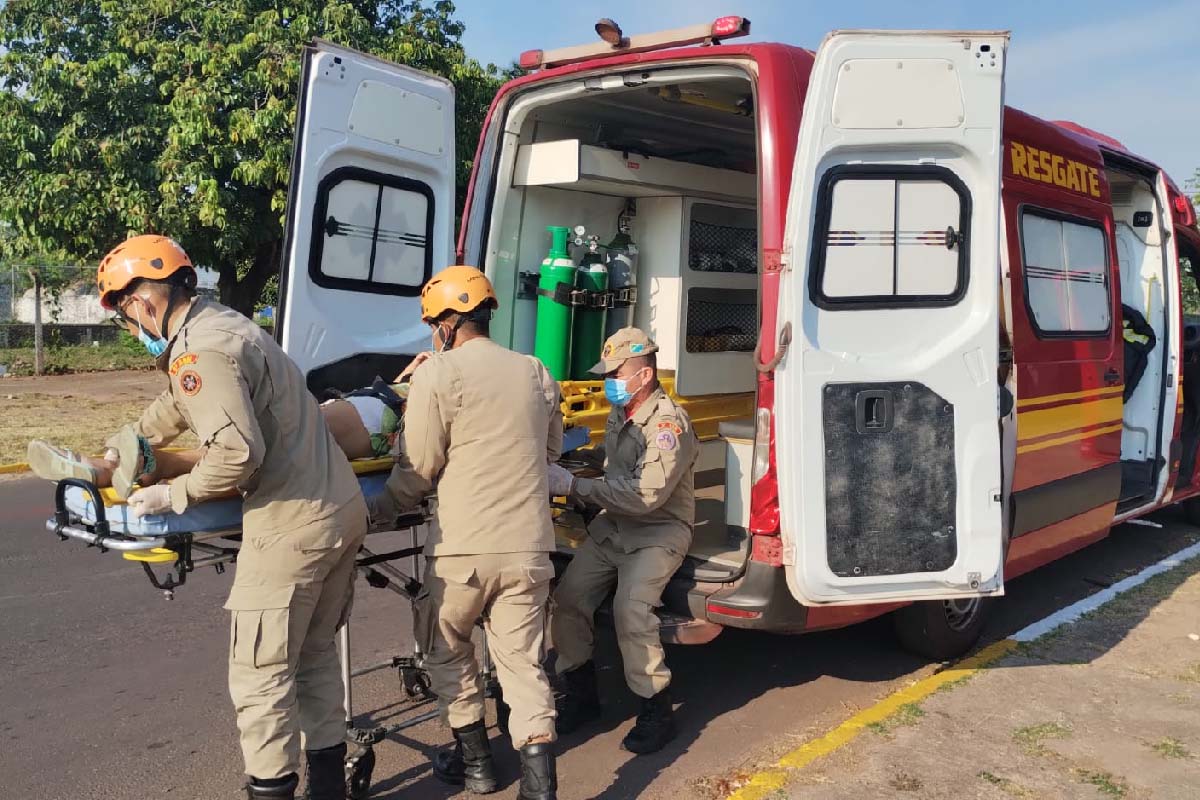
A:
{"points": [[38, 350]]}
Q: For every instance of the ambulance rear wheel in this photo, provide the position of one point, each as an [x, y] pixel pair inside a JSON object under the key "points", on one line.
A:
{"points": [[941, 629]]}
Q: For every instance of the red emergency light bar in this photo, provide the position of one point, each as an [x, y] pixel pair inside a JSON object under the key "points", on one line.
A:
{"points": [[615, 44]]}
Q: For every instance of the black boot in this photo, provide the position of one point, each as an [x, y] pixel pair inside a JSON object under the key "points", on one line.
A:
{"points": [[273, 789], [539, 780], [470, 762], [576, 700], [655, 725], [327, 773]]}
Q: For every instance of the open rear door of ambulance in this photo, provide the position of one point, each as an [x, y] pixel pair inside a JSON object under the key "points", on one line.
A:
{"points": [[370, 215], [887, 415]]}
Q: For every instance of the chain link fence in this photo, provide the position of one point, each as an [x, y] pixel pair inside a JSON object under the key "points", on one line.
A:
{"points": [[50, 309]]}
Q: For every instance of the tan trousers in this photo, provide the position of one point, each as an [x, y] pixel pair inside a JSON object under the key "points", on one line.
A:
{"points": [[292, 592], [511, 592], [640, 578]]}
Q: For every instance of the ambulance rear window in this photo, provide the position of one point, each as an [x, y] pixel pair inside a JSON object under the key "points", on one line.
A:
{"points": [[890, 237], [1066, 274], [371, 233]]}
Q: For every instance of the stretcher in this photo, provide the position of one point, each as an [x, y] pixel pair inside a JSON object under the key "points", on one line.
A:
{"points": [[169, 547], [172, 546]]}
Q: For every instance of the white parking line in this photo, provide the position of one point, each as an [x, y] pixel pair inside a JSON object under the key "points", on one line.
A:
{"points": [[1074, 611]]}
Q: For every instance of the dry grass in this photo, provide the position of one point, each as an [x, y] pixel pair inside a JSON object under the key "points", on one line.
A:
{"points": [[1031, 737], [79, 422]]}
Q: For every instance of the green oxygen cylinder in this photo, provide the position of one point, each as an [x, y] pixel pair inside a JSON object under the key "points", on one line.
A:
{"points": [[622, 271], [588, 338], [552, 339]]}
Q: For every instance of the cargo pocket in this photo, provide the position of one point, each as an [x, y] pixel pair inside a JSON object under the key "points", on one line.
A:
{"points": [[537, 576], [260, 618]]}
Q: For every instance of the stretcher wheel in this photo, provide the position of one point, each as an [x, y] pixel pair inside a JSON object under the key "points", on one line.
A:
{"points": [[416, 683], [155, 555], [359, 768]]}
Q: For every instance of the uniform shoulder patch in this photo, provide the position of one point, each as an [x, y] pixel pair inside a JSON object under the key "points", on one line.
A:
{"points": [[183, 361], [665, 440], [668, 425], [190, 383]]}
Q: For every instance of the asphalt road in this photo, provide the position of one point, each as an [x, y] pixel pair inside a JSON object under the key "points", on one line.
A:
{"points": [[110, 691]]}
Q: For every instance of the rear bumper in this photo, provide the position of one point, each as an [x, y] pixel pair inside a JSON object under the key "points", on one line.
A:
{"points": [[758, 600]]}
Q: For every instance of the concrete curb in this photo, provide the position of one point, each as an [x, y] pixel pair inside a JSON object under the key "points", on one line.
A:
{"points": [[11, 469], [770, 780]]}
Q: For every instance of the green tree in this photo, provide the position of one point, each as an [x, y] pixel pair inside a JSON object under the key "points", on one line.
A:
{"points": [[176, 116]]}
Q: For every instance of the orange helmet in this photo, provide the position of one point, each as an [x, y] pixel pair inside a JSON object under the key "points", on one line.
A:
{"points": [[457, 288], [149, 256]]}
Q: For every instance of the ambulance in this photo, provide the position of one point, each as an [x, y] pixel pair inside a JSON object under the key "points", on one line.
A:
{"points": [[929, 342]]}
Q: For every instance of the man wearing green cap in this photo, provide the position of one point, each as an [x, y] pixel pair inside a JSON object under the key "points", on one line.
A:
{"points": [[639, 539]]}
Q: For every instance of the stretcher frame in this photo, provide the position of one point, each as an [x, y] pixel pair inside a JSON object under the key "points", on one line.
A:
{"points": [[187, 552]]}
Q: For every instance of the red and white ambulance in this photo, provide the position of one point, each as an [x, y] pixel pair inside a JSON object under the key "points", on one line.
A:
{"points": [[893, 306]]}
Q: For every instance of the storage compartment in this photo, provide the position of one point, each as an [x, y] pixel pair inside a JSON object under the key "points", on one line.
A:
{"points": [[668, 159]]}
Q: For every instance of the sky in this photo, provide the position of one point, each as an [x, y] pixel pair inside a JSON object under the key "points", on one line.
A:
{"points": [[1130, 70]]}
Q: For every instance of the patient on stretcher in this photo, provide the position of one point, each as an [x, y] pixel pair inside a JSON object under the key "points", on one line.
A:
{"points": [[365, 424]]}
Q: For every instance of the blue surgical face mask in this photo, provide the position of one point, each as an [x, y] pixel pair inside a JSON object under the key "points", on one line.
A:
{"points": [[617, 391], [156, 346]]}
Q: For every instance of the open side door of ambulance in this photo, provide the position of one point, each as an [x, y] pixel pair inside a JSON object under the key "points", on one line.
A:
{"points": [[370, 215], [888, 440]]}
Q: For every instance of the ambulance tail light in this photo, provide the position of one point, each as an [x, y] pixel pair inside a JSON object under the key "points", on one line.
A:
{"points": [[1183, 207], [764, 482]]}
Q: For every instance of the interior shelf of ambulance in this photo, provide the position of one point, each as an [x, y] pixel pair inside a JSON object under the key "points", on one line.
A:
{"points": [[1144, 302], [653, 175]]}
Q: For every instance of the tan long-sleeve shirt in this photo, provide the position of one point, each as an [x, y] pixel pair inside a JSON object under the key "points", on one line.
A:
{"points": [[480, 426], [261, 430]]}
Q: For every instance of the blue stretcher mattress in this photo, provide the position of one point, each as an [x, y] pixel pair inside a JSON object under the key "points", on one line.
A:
{"points": [[217, 515], [214, 515]]}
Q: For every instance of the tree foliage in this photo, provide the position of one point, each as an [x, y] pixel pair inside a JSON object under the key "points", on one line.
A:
{"points": [[176, 116]]}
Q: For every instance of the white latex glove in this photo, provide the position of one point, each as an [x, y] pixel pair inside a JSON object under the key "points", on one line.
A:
{"points": [[152, 500], [420, 359], [560, 479]]}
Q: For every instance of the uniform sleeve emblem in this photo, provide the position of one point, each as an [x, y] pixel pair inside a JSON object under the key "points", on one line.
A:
{"points": [[665, 441], [667, 425], [189, 383], [183, 361]]}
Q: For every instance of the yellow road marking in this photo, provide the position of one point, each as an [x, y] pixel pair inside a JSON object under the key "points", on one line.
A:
{"points": [[1047, 421], [1029, 448], [765, 782], [1051, 398], [20, 466]]}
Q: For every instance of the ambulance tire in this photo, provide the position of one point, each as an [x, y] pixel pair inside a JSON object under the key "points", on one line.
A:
{"points": [[940, 630]]}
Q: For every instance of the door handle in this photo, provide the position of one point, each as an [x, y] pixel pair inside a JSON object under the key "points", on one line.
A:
{"points": [[1112, 377], [874, 411]]}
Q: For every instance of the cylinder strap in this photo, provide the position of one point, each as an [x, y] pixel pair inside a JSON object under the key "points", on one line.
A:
{"points": [[566, 295]]}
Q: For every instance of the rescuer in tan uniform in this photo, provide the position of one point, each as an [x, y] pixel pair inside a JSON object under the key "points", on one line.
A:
{"points": [[261, 436], [480, 426], [639, 539]]}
